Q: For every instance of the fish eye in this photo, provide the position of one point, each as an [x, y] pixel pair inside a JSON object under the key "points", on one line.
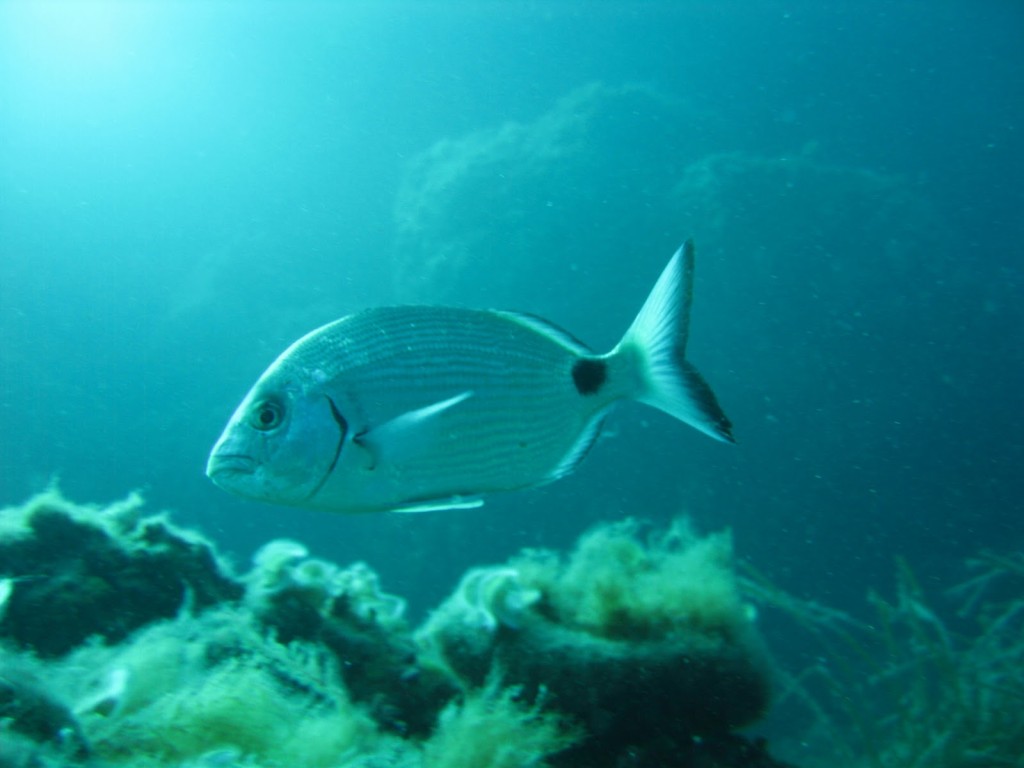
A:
{"points": [[266, 415]]}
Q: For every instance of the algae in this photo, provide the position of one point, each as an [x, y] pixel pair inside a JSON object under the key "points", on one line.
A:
{"points": [[74, 572], [300, 662], [620, 625], [617, 586], [493, 727], [915, 686]]}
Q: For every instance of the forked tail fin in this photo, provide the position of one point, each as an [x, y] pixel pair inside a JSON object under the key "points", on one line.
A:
{"points": [[654, 348]]}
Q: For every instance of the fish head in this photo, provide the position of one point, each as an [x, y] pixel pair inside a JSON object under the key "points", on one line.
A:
{"points": [[282, 442]]}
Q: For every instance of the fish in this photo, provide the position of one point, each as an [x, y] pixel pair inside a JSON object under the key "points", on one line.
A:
{"points": [[422, 408]]}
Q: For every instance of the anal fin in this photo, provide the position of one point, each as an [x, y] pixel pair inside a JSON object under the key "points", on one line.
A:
{"points": [[435, 505], [580, 448]]}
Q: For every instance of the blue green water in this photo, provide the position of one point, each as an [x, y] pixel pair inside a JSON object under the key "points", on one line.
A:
{"points": [[186, 188]]}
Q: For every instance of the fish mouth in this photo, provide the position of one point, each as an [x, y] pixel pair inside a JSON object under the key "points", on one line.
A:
{"points": [[230, 464]]}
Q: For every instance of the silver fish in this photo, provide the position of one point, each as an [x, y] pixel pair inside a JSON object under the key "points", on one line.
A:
{"points": [[421, 408]]}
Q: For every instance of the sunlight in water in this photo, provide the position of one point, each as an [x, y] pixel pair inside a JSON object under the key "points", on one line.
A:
{"points": [[75, 40]]}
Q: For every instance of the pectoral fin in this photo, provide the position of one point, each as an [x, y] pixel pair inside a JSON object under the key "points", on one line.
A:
{"points": [[409, 434]]}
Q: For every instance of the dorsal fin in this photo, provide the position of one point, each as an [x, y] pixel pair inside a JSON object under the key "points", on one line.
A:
{"points": [[549, 329]]}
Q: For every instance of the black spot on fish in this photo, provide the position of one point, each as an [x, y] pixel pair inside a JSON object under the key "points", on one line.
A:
{"points": [[589, 376]]}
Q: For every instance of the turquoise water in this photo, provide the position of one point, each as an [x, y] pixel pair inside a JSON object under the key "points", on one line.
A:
{"points": [[185, 189]]}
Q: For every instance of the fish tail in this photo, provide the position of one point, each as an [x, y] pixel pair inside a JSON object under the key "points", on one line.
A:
{"points": [[652, 355]]}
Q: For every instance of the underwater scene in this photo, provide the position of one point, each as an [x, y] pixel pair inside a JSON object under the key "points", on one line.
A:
{"points": [[505, 384]]}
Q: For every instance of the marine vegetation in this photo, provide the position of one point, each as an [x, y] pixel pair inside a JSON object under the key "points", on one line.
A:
{"points": [[631, 651], [624, 624], [915, 687], [638, 648]]}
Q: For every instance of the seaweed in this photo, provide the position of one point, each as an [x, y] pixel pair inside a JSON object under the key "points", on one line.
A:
{"points": [[916, 687], [628, 651]]}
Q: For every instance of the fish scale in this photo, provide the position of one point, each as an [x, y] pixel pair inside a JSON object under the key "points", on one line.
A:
{"points": [[487, 439]]}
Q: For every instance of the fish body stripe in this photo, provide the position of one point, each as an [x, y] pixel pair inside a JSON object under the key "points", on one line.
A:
{"points": [[524, 417]]}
